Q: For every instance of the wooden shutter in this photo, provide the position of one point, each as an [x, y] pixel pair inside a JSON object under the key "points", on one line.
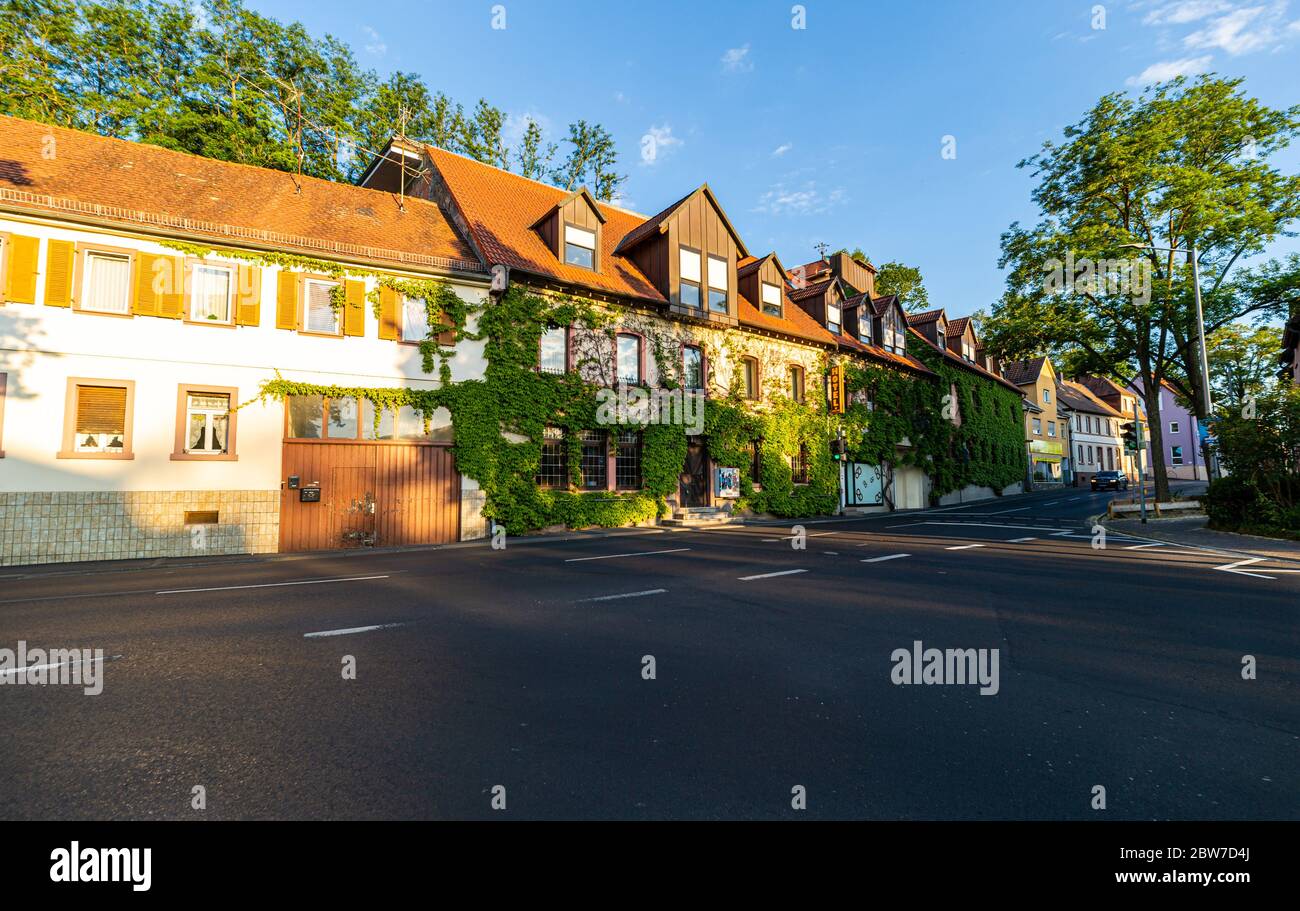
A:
{"points": [[171, 301], [20, 258], [445, 338], [248, 296], [388, 324], [354, 310], [60, 258], [149, 284], [101, 409], [288, 287]]}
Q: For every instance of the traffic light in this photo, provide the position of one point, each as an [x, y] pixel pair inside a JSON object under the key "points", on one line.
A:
{"points": [[1130, 437], [837, 449]]}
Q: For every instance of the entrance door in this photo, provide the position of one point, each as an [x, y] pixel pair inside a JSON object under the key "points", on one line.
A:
{"points": [[695, 477], [352, 506]]}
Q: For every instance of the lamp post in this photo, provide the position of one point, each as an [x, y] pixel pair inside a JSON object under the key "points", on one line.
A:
{"points": [[1200, 331]]}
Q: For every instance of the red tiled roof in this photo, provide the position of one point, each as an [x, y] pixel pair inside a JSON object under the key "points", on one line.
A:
{"points": [[500, 209], [175, 193], [1022, 373], [795, 321], [929, 316], [963, 363], [811, 290], [904, 361], [957, 325]]}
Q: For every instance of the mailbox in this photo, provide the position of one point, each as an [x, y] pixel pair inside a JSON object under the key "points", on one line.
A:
{"points": [[294, 482], [309, 495]]}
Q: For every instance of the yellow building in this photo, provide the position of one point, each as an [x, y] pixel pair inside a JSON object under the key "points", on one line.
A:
{"points": [[1047, 433]]}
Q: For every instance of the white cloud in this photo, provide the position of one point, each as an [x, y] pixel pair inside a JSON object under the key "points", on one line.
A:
{"points": [[656, 143], [375, 45], [1184, 11], [1238, 32], [736, 60], [1171, 69], [804, 200], [782, 149]]}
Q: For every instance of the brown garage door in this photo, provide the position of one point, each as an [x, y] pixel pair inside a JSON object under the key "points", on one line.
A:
{"points": [[370, 494]]}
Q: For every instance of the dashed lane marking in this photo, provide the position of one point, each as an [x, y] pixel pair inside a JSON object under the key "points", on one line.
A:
{"points": [[963, 546], [884, 558], [643, 553], [349, 631], [223, 588], [788, 572], [650, 591]]}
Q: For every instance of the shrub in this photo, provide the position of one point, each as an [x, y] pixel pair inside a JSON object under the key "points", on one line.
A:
{"points": [[1233, 502]]}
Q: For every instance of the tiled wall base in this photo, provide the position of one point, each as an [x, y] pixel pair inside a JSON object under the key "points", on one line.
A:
{"points": [[121, 525]]}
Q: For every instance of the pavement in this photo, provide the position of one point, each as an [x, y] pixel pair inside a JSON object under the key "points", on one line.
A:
{"points": [[1191, 531], [671, 674]]}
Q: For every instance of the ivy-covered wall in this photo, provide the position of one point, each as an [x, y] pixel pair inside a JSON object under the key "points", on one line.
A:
{"points": [[893, 416]]}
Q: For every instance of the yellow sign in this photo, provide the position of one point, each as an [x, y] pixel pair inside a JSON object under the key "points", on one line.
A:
{"points": [[835, 390]]}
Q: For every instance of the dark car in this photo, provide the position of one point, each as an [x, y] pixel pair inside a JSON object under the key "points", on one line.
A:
{"points": [[1109, 480]]}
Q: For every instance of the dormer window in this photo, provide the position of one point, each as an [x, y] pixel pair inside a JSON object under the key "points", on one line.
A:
{"points": [[967, 351], [833, 318], [864, 327], [579, 247], [940, 332], [689, 267], [771, 299], [718, 295]]}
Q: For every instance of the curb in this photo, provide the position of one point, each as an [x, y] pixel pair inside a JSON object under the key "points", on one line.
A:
{"points": [[1212, 549]]}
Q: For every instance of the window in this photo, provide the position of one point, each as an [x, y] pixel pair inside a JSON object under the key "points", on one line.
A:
{"points": [[1047, 396], [1081, 461], [968, 352], [405, 424], [750, 367], [579, 247], [1173, 426], [553, 470], [205, 423], [627, 461], [320, 315], [1110, 458], [415, 319], [1051, 428], [315, 417], [771, 295], [1176, 455], [833, 318], [1038, 427], [796, 383], [689, 266], [629, 359], [595, 459], [554, 355], [1089, 455], [97, 419], [799, 465], [4, 382], [864, 324], [107, 286], [211, 294], [692, 367], [718, 286]]}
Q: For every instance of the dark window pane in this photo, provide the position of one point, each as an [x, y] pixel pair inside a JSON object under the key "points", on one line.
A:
{"points": [[305, 415], [553, 471], [342, 415], [690, 295], [627, 463], [717, 301], [692, 368], [595, 459]]}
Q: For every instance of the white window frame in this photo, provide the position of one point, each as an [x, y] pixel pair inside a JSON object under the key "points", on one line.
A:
{"points": [[541, 349], [1173, 426], [209, 413], [231, 276], [306, 307], [838, 321], [717, 284], [1047, 396], [1051, 428], [89, 273], [1175, 455], [575, 235], [764, 288], [691, 276], [403, 301], [1038, 426]]}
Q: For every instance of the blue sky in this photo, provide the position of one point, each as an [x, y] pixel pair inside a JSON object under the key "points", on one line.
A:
{"points": [[833, 132]]}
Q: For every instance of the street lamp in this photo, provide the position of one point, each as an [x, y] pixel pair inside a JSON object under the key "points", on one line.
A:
{"points": [[1200, 323]]}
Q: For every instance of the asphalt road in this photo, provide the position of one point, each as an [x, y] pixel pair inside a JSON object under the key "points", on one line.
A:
{"points": [[523, 668]]}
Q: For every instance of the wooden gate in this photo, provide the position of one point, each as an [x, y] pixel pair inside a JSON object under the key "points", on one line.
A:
{"points": [[370, 494]]}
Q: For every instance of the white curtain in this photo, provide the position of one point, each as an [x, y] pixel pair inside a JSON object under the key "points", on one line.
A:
{"points": [[108, 284]]}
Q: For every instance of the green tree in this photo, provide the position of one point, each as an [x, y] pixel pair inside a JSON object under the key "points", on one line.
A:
{"points": [[1243, 361], [592, 161], [534, 154], [897, 278], [1183, 163]]}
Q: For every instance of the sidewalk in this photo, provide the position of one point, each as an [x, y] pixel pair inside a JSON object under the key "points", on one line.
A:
{"points": [[1191, 532]]}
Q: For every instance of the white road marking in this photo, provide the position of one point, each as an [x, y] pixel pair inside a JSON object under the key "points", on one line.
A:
{"points": [[224, 588], [350, 630], [1140, 546], [788, 572], [963, 546], [644, 553], [1232, 568], [1021, 540], [1005, 511], [981, 525], [883, 559], [650, 591]]}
